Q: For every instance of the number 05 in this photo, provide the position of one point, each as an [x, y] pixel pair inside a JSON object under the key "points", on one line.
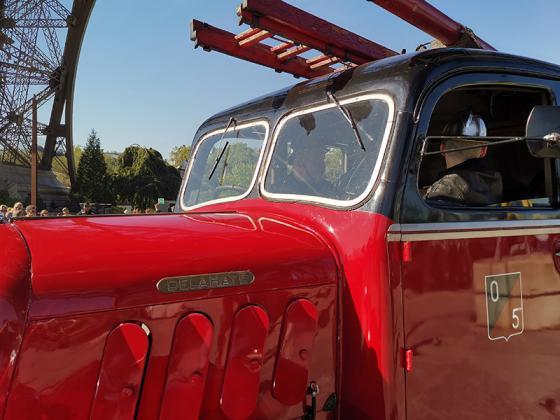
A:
{"points": [[516, 321]]}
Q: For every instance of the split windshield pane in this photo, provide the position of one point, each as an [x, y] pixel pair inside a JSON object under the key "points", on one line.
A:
{"points": [[318, 156], [225, 165]]}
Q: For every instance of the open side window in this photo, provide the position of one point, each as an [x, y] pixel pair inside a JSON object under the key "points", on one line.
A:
{"points": [[467, 159]]}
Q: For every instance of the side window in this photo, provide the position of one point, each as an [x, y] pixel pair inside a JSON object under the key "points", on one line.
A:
{"points": [[469, 158], [225, 164]]}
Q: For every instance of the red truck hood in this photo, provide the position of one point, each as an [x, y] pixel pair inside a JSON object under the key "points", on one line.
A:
{"points": [[89, 264]]}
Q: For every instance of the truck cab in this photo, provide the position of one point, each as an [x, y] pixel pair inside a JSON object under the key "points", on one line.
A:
{"points": [[305, 272]]}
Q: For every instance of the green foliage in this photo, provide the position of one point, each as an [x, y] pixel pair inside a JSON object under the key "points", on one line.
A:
{"points": [[142, 176], [233, 174], [179, 154], [92, 181], [334, 165], [112, 162]]}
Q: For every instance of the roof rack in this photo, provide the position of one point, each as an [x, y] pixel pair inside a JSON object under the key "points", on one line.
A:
{"points": [[295, 32]]}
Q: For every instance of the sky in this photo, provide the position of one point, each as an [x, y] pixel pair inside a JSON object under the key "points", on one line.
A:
{"points": [[140, 80]]}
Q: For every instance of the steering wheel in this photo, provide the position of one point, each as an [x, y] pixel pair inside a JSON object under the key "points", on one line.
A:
{"points": [[221, 188], [358, 174]]}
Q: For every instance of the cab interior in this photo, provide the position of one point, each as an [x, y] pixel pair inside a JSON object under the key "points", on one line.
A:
{"points": [[505, 111]]}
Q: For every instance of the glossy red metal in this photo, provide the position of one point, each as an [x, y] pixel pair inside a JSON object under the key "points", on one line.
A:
{"points": [[120, 375], [244, 362], [14, 297], [370, 345], [427, 18], [188, 368], [123, 274], [299, 26], [406, 252], [212, 38], [408, 357], [295, 351]]}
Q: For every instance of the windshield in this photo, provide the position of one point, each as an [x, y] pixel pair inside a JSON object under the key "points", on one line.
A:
{"points": [[318, 156], [224, 164]]}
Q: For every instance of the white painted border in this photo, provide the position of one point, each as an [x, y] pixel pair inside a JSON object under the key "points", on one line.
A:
{"points": [[488, 314], [264, 123], [331, 201]]}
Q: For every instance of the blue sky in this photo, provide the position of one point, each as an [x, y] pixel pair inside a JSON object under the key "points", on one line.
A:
{"points": [[140, 81]]}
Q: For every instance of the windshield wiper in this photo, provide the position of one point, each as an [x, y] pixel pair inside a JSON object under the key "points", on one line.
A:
{"points": [[349, 118], [221, 155]]}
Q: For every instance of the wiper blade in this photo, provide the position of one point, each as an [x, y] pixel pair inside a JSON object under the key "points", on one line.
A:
{"points": [[221, 155], [349, 118]]}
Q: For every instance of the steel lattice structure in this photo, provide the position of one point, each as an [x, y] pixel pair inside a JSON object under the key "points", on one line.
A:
{"points": [[39, 47]]}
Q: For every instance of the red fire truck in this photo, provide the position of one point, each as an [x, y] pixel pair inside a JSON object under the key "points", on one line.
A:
{"points": [[314, 268]]}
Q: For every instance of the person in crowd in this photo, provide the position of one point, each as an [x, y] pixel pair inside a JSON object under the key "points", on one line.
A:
{"points": [[66, 212], [3, 211], [30, 211], [157, 208], [467, 180], [150, 210], [86, 210], [44, 213], [17, 210], [137, 210]]}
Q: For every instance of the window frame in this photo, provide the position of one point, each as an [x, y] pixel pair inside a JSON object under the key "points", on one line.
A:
{"points": [[414, 208], [205, 137], [330, 202]]}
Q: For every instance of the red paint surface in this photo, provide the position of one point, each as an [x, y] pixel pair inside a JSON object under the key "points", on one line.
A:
{"points": [[295, 351], [14, 290], [117, 261], [369, 383], [457, 368], [120, 376], [78, 297], [188, 368], [332, 258], [245, 359]]}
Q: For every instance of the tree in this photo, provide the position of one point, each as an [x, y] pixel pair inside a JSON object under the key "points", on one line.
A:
{"points": [[142, 176], [179, 154], [92, 181]]}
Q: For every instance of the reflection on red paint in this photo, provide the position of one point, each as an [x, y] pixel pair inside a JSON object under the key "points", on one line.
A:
{"points": [[120, 376], [245, 358], [188, 367], [409, 354], [296, 345]]}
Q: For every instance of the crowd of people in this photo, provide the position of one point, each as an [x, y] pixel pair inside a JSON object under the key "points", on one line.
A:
{"points": [[19, 210]]}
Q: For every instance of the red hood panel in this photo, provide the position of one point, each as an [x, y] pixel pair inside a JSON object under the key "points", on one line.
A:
{"points": [[86, 264]]}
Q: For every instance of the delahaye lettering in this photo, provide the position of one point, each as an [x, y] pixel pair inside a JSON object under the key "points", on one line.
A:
{"points": [[205, 281]]}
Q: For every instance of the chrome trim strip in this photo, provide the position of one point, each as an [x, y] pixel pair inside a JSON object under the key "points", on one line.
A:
{"points": [[471, 230]]}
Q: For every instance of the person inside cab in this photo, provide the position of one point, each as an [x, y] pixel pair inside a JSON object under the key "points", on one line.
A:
{"points": [[467, 179], [307, 176]]}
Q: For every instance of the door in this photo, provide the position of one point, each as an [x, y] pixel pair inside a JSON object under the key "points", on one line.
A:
{"points": [[481, 286]]}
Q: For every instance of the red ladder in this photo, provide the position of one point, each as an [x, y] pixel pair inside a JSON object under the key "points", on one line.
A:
{"points": [[295, 32]]}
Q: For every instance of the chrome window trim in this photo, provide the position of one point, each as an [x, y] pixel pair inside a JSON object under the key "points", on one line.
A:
{"points": [[416, 232], [262, 122], [343, 204]]}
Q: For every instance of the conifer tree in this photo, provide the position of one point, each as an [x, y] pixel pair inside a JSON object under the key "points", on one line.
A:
{"points": [[92, 181]]}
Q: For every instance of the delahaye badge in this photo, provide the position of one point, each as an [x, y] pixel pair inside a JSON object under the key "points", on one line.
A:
{"points": [[205, 281]]}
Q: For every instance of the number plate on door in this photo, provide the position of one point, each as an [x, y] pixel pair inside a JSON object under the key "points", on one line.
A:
{"points": [[504, 305]]}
